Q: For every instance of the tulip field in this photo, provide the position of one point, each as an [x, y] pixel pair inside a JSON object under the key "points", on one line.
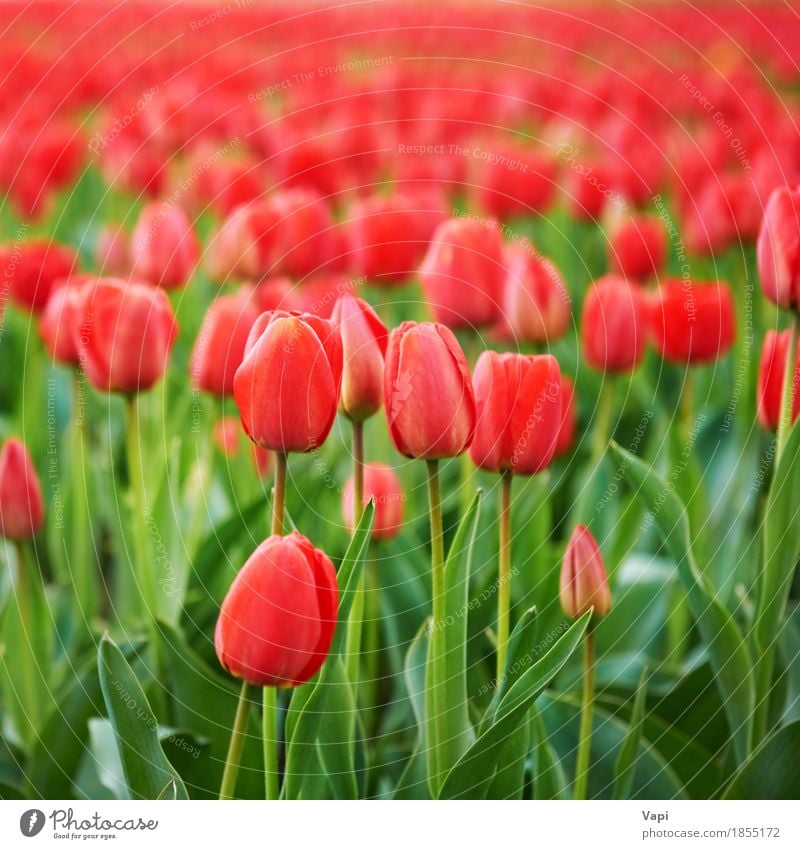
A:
{"points": [[395, 400]]}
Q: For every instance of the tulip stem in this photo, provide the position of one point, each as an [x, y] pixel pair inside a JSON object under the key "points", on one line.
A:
{"points": [[602, 425], [585, 736], [788, 392], [270, 727], [356, 619], [279, 493], [437, 730], [238, 734], [504, 574]]}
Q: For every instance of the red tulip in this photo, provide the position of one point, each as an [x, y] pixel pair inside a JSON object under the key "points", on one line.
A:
{"points": [[637, 246], [58, 320], [771, 372], [124, 333], [287, 387], [778, 248], [382, 486], [219, 349], [227, 431], [164, 247], [584, 584], [276, 293], [614, 325], [513, 180], [21, 504], [364, 340], [588, 188], [692, 322], [536, 304], [518, 401], [111, 252], [276, 623], [301, 239], [463, 272], [242, 248], [430, 405], [569, 417], [30, 270]]}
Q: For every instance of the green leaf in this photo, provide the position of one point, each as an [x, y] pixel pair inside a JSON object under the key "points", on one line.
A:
{"points": [[773, 770], [447, 651], [471, 776], [625, 765], [549, 779], [148, 773], [727, 650], [321, 717]]}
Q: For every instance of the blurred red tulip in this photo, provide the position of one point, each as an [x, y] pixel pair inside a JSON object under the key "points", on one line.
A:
{"points": [[771, 373], [513, 180], [111, 254], [614, 325], [59, 318], [637, 246], [277, 621], [779, 248], [21, 504], [30, 270], [382, 485], [164, 246]]}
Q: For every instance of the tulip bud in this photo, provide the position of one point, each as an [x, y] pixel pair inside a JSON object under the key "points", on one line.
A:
{"points": [[518, 401], [382, 486], [692, 322], [771, 372], [778, 248], [276, 293], [241, 248], [614, 325], [301, 239], [220, 345], [637, 246], [364, 340], [21, 504], [430, 405], [516, 180], [287, 387], [58, 320], [536, 303], [124, 333], [569, 417], [463, 272], [111, 252], [30, 271], [276, 623], [588, 187], [584, 584], [164, 247]]}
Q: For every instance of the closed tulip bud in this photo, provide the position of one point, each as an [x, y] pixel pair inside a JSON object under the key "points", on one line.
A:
{"points": [[59, 318], [588, 188], [569, 417], [276, 623], [31, 270], [430, 405], [637, 246], [382, 486], [301, 239], [21, 504], [219, 349], [164, 247], [536, 303], [276, 293], [287, 387], [778, 248], [111, 254], [124, 333], [517, 180], [463, 272], [771, 372], [584, 584], [518, 402], [614, 325], [241, 249], [364, 340], [692, 322]]}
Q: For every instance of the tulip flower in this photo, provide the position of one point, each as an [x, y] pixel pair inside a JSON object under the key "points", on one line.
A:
{"points": [[566, 432], [383, 487], [584, 587], [614, 325], [692, 322], [519, 414], [778, 248], [59, 318], [301, 239], [536, 303], [21, 503], [227, 432], [771, 377], [463, 272], [30, 271], [164, 247], [242, 248], [111, 252], [219, 349], [275, 628], [637, 246], [516, 181]]}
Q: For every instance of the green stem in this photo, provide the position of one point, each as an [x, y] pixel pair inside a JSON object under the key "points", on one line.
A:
{"points": [[585, 738], [83, 563], [356, 619], [438, 732], [687, 404], [279, 493], [504, 574], [602, 425], [788, 392], [238, 734], [270, 732]]}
